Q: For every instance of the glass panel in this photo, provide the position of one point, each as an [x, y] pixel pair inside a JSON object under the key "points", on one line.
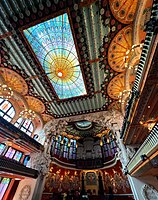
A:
{"points": [[5, 106], [31, 128], [10, 153], [53, 44], [17, 156], [6, 110], [7, 118], [2, 146], [3, 186], [26, 160], [26, 123], [18, 122]]}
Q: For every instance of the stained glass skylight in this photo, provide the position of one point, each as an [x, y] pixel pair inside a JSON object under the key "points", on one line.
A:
{"points": [[53, 44]]}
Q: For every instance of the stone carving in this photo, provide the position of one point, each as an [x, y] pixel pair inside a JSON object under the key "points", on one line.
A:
{"points": [[130, 152], [122, 159], [149, 192], [40, 161], [25, 192], [105, 119], [55, 127]]}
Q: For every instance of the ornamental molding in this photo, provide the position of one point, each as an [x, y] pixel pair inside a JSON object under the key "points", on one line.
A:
{"points": [[40, 162], [149, 192], [106, 119], [25, 192]]}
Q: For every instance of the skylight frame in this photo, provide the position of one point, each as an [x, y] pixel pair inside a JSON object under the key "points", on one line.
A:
{"points": [[85, 93]]}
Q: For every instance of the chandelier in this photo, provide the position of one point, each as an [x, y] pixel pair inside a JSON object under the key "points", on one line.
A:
{"points": [[123, 95], [148, 123], [129, 53], [5, 91], [27, 114]]}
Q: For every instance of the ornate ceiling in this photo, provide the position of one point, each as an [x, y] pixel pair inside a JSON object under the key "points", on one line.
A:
{"points": [[103, 36]]}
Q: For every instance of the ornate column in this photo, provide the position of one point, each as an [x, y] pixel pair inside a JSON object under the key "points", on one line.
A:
{"points": [[40, 161]]}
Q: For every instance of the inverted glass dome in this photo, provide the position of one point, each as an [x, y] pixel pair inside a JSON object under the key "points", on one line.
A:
{"points": [[53, 44], [83, 125]]}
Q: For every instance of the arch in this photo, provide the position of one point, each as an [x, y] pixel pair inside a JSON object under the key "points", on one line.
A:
{"points": [[25, 125], [7, 111]]}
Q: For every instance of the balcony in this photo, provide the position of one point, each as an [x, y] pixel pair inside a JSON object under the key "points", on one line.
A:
{"points": [[13, 133], [147, 149], [12, 166]]}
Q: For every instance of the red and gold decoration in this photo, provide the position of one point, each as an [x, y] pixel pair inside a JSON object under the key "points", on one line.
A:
{"points": [[62, 180], [35, 104], [123, 10], [121, 43]]}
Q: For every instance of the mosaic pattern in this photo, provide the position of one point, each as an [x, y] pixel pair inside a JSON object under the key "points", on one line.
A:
{"points": [[53, 44]]}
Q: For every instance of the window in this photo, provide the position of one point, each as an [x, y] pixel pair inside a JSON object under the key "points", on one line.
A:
{"points": [[52, 151], [13, 154], [26, 160], [17, 156], [58, 145], [65, 147], [72, 150], [7, 110], [4, 183], [25, 125], [10, 153], [2, 147], [109, 145]]}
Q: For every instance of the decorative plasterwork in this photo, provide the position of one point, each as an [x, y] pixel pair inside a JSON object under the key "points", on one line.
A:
{"points": [[40, 161], [46, 118], [123, 10], [14, 81], [149, 192], [35, 104], [121, 43], [106, 119]]}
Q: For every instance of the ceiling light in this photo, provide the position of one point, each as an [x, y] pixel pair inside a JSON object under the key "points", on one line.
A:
{"points": [[27, 114], [5, 91]]}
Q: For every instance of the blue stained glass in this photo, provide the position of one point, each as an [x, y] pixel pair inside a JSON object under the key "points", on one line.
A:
{"points": [[53, 44], [2, 146]]}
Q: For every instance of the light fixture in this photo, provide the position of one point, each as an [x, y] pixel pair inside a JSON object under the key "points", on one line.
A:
{"points": [[123, 96], [27, 114], [128, 54], [149, 123], [101, 142], [5, 91]]}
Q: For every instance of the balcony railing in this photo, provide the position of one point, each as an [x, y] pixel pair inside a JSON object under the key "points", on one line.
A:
{"points": [[12, 166], [12, 132], [149, 146]]}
